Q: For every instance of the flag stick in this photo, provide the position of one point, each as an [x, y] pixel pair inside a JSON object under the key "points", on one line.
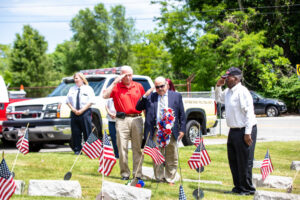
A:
{"points": [[102, 193], [142, 156], [179, 162], [2, 154], [290, 188], [15, 161], [68, 175]]}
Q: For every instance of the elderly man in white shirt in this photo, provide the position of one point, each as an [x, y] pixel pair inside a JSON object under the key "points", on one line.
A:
{"points": [[243, 131]]}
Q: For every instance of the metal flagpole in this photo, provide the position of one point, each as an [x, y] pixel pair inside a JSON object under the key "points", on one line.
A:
{"points": [[142, 155], [179, 162], [12, 170]]}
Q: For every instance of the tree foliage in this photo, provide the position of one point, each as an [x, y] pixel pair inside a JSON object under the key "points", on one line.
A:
{"points": [[28, 60]]}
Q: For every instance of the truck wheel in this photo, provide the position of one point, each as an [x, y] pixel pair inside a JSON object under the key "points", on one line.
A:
{"points": [[7, 143], [271, 111], [35, 147], [192, 132]]}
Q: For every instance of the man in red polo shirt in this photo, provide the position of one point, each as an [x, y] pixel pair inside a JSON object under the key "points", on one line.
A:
{"points": [[126, 94]]}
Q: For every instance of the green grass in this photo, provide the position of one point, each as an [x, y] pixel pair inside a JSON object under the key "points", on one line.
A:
{"points": [[54, 166]]}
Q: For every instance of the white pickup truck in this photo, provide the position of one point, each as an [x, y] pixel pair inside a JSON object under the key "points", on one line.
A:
{"points": [[49, 120]]}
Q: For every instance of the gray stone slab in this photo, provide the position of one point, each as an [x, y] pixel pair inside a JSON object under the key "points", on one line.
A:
{"points": [[267, 195], [58, 188], [20, 186], [203, 181], [148, 174], [295, 165], [280, 182], [116, 191]]}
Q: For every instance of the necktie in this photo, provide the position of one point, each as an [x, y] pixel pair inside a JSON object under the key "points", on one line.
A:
{"points": [[77, 100], [161, 107]]}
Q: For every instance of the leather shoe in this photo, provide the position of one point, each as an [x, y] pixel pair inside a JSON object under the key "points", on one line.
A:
{"points": [[125, 178]]}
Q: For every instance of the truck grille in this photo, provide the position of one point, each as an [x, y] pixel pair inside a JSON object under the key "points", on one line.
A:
{"points": [[30, 108]]}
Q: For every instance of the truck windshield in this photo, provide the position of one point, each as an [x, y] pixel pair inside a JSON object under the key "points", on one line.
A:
{"points": [[63, 88]]}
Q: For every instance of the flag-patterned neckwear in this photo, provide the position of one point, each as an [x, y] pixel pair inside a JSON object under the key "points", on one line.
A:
{"points": [[162, 105], [77, 100]]}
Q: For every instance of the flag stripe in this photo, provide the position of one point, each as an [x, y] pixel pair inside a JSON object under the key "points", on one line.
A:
{"points": [[92, 147]]}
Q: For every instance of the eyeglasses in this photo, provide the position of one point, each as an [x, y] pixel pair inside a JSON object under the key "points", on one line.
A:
{"points": [[159, 86]]}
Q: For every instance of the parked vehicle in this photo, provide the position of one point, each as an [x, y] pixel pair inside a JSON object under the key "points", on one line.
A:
{"points": [[262, 105], [49, 117], [8, 97]]}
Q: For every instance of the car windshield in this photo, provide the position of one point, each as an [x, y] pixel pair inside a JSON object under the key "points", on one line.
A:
{"points": [[63, 88], [258, 95]]}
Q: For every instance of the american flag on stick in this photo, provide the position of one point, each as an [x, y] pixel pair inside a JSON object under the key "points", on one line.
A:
{"points": [[107, 157], [23, 144], [7, 183], [198, 140], [92, 147], [266, 166], [199, 158], [152, 150], [181, 193]]}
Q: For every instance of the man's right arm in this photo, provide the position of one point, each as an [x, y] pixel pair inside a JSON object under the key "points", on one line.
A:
{"points": [[219, 94], [141, 104], [108, 91]]}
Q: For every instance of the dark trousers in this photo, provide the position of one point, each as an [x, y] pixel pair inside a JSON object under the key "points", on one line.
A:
{"points": [[112, 133], [80, 124], [240, 157]]}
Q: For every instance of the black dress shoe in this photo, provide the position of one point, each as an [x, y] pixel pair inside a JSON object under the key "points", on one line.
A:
{"points": [[243, 193], [125, 178], [77, 152]]}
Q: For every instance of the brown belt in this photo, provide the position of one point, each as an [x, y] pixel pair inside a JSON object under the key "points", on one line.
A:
{"points": [[133, 115]]}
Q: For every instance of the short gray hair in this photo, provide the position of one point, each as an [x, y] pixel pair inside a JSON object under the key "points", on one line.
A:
{"points": [[126, 68], [160, 79]]}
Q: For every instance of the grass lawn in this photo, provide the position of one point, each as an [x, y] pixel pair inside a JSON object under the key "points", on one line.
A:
{"points": [[54, 165]]}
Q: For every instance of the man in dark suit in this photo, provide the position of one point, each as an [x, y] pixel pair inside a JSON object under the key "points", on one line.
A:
{"points": [[154, 103]]}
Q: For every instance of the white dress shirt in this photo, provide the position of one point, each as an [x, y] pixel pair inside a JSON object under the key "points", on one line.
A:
{"points": [[111, 108], [86, 95], [238, 106], [158, 105]]}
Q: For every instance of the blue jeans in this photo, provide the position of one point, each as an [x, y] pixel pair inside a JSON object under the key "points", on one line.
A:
{"points": [[112, 133]]}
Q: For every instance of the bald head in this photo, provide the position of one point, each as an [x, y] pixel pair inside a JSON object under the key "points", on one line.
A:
{"points": [[161, 85], [126, 70]]}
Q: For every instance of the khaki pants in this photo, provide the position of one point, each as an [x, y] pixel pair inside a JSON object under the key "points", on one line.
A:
{"points": [[130, 128], [168, 171]]}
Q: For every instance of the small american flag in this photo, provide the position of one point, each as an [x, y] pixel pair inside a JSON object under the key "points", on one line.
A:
{"points": [[152, 150], [195, 162], [181, 193], [107, 156], [198, 140], [92, 147], [23, 144], [266, 166], [7, 183]]}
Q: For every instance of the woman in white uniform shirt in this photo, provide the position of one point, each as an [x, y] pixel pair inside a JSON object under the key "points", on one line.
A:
{"points": [[80, 98]]}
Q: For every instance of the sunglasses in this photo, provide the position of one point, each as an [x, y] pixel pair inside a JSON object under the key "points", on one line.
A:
{"points": [[159, 86]]}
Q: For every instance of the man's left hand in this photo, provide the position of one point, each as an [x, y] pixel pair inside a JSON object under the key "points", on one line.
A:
{"points": [[181, 134], [248, 139]]}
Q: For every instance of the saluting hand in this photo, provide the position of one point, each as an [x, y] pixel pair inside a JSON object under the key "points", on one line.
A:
{"points": [[119, 78], [220, 82], [149, 91]]}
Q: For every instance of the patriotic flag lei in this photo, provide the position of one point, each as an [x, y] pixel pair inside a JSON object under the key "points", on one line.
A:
{"points": [[164, 127]]}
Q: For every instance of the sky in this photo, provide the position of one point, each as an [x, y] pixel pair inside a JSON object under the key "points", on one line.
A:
{"points": [[52, 17]]}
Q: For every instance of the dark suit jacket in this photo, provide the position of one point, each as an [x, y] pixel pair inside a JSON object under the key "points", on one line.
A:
{"points": [[150, 105]]}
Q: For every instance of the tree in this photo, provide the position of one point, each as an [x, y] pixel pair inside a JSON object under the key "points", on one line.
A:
{"points": [[91, 31], [122, 37], [151, 57], [28, 60], [4, 63], [279, 19]]}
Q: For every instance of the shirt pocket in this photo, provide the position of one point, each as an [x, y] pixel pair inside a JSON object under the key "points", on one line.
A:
{"points": [[84, 98]]}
